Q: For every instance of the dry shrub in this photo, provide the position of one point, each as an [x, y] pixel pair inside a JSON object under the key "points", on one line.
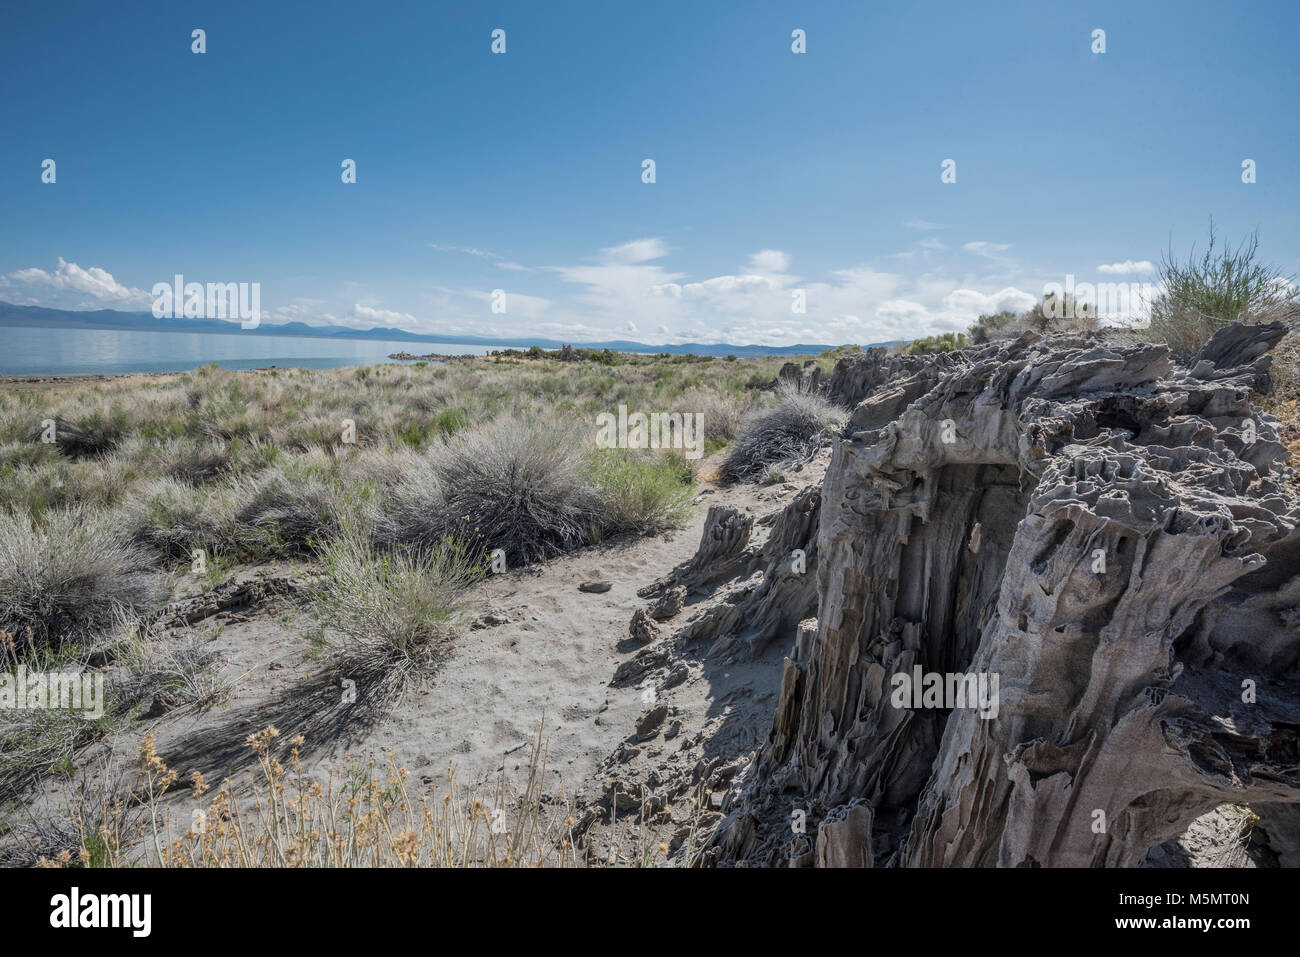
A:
{"points": [[388, 613], [522, 487], [784, 433], [66, 576]]}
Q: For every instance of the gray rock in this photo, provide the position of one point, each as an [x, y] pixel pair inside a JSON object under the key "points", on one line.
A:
{"points": [[669, 603], [1138, 554], [722, 550], [642, 628], [490, 619], [640, 663], [676, 675], [647, 726]]}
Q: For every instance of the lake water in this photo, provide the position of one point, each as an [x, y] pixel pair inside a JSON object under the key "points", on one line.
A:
{"points": [[48, 351]]}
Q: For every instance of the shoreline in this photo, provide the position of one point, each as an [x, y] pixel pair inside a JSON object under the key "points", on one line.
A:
{"points": [[20, 383]]}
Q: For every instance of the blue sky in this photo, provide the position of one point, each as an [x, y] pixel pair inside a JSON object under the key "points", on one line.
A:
{"points": [[775, 171]]}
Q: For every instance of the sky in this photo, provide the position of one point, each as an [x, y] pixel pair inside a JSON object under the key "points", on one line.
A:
{"points": [[778, 176]]}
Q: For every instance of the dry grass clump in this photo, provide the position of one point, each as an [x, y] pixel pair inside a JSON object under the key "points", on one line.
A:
{"points": [[92, 432], [282, 510], [197, 461], [23, 452], [98, 811], [532, 491], [1235, 851], [97, 483], [388, 612], [32, 489], [175, 519], [361, 815], [1285, 371], [516, 486], [34, 741], [67, 575], [723, 413], [291, 507], [783, 433], [173, 674]]}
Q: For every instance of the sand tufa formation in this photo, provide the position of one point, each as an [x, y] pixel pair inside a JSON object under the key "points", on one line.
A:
{"points": [[1112, 536]]}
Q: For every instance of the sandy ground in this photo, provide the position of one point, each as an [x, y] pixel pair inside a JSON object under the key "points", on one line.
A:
{"points": [[530, 647]]}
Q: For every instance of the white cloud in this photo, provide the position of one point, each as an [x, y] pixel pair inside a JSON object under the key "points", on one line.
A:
{"points": [[983, 248], [623, 291], [856, 304], [1126, 267], [970, 304], [624, 285], [957, 312], [300, 309], [626, 291], [383, 317], [769, 261], [902, 311], [76, 282], [499, 261], [715, 287], [637, 251], [467, 250]]}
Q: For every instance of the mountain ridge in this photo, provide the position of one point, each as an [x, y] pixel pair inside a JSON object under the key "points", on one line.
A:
{"points": [[12, 314]]}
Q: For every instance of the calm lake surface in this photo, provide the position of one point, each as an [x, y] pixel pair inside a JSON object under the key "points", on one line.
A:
{"points": [[47, 351]]}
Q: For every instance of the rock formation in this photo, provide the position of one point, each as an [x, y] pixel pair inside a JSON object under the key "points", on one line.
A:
{"points": [[1106, 539], [722, 552], [777, 588]]}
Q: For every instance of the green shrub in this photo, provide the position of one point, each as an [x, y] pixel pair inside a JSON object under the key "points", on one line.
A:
{"points": [[1201, 296], [642, 492], [948, 342]]}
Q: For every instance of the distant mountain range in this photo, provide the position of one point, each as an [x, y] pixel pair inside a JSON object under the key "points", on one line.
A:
{"points": [[105, 319]]}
